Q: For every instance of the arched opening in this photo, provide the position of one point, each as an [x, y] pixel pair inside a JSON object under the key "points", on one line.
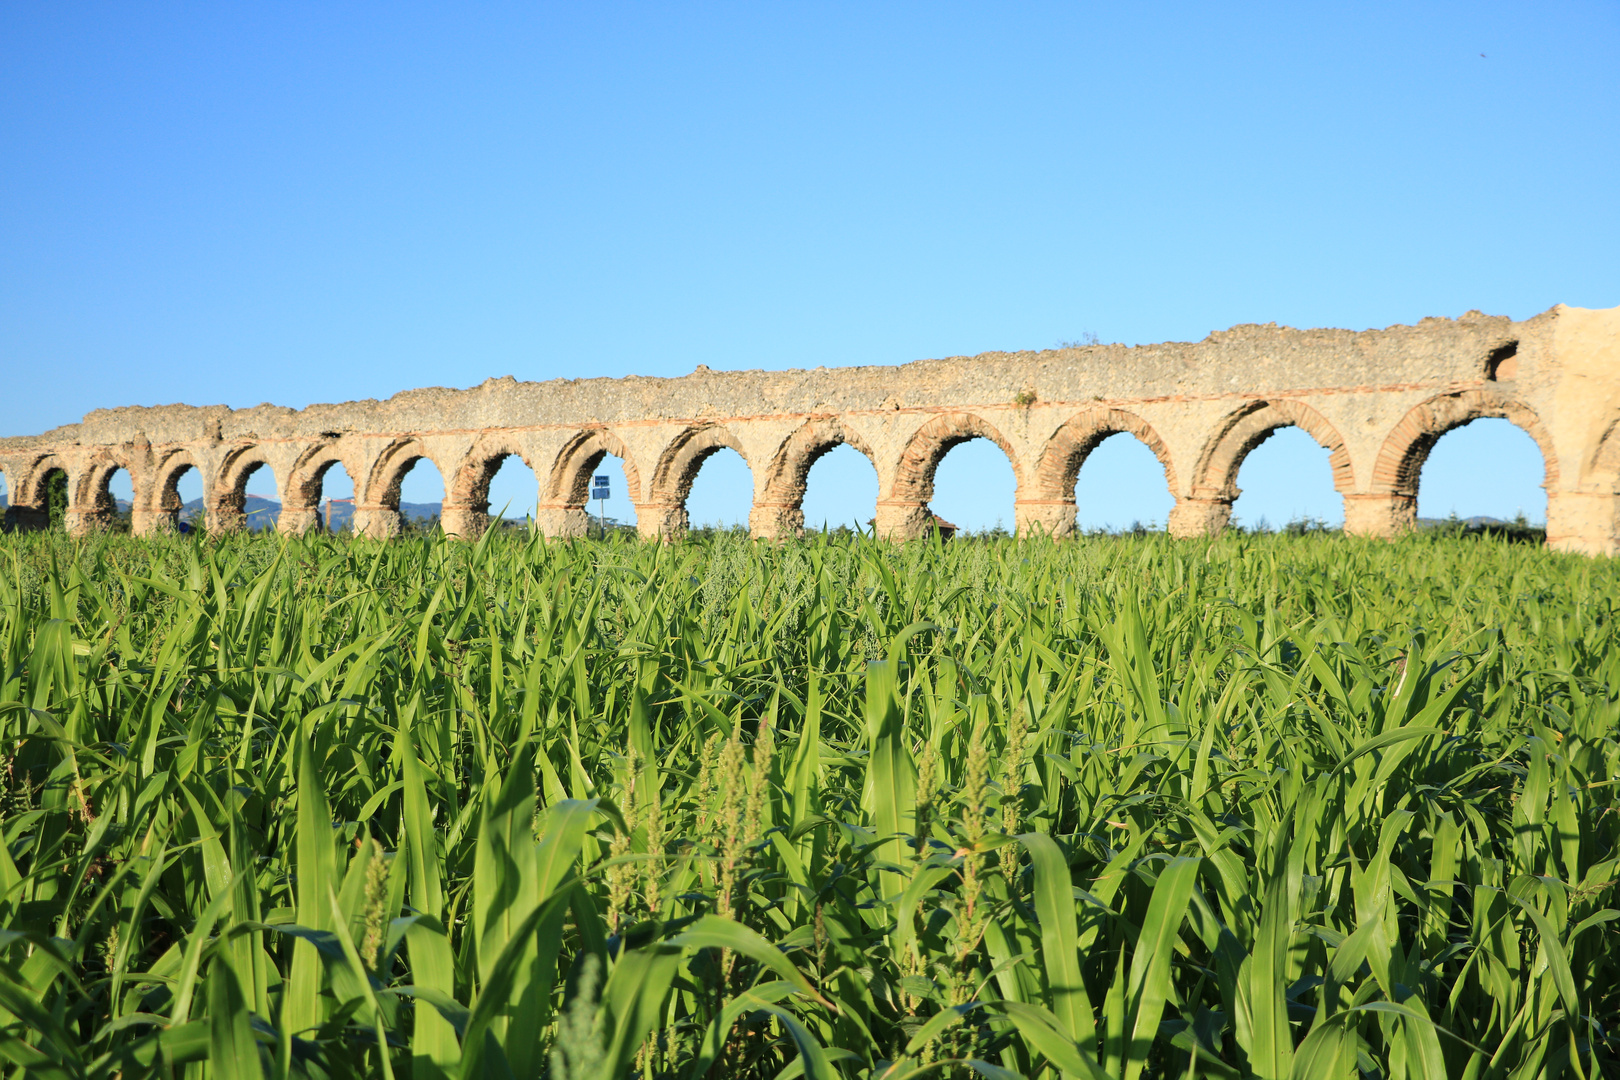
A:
{"points": [[1285, 483], [420, 495], [974, 488], [841, 491], [115, 499], [54, 495], [1485, 472], [181, 496], [567, 510], [616, 514], [721, 491], [261, 497], [334, 498], [512, 491], [1122, 487]]}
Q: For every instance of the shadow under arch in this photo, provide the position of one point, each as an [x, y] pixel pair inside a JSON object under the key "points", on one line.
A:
{"points": [[1406, 447], [1243, 429], [779, 512], [1050, 502]]}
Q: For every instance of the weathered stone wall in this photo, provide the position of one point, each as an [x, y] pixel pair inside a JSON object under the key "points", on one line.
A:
{"points": [[1378, 400]]}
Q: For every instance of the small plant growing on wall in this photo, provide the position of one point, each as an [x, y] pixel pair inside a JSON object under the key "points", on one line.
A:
{"points": [[1024, 398]]}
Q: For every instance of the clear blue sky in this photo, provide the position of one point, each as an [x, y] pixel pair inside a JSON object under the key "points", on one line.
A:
{"points": [[297, 202]]}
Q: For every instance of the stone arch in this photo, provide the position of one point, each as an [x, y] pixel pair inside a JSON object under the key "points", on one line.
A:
{"points": [[26, 494], [1240, 431], [91, 490], [300, 510], [91, 504], [779, 511], [227, 503], [377, 511], [566, 485], [466, 492], [1205, 510], [1049, 505], [903, 512], [240, 463], [32, 490], [678, 465], [469, 486], [166, 504], [914, 473], [1401, 458], [569, 479]]}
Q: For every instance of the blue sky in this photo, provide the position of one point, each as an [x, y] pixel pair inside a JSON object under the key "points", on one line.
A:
{"points": [[299, 203]]}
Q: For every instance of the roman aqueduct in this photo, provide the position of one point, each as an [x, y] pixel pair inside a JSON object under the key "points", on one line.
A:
{"points": [[1377, 400]]}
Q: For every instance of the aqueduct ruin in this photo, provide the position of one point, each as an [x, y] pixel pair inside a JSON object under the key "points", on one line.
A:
{"points": [[1377, 400]]}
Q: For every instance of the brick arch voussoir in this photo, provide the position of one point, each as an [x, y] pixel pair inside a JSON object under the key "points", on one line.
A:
{"points": [[388, 471], [1243, 429], [680, 461], [914, 472], [788, 474], [1065, 452], [569, 479], [1407, 446]]}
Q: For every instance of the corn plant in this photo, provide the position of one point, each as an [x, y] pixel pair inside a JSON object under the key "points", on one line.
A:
{"points": [[1261, 806]]}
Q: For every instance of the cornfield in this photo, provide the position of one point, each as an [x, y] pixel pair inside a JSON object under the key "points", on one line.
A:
{"points": [[1262, 806]]}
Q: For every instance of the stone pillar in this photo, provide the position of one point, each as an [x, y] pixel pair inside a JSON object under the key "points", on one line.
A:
{"points": [[1191, 518], [1044, 517], [561, 521], [143, 522], [661, 521], [775, 521], [82, 519], [464, 521], [1380, 514], [84, 522], [1584, 522], [298, 520], [226, 513], [902, 519], [378, 522]]}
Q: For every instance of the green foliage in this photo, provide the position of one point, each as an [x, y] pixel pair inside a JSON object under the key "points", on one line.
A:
{"points": [[56, 497], [1262, 806]]}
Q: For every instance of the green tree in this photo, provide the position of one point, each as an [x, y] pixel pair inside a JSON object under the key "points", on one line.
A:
{"points": [[56, 497]]}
